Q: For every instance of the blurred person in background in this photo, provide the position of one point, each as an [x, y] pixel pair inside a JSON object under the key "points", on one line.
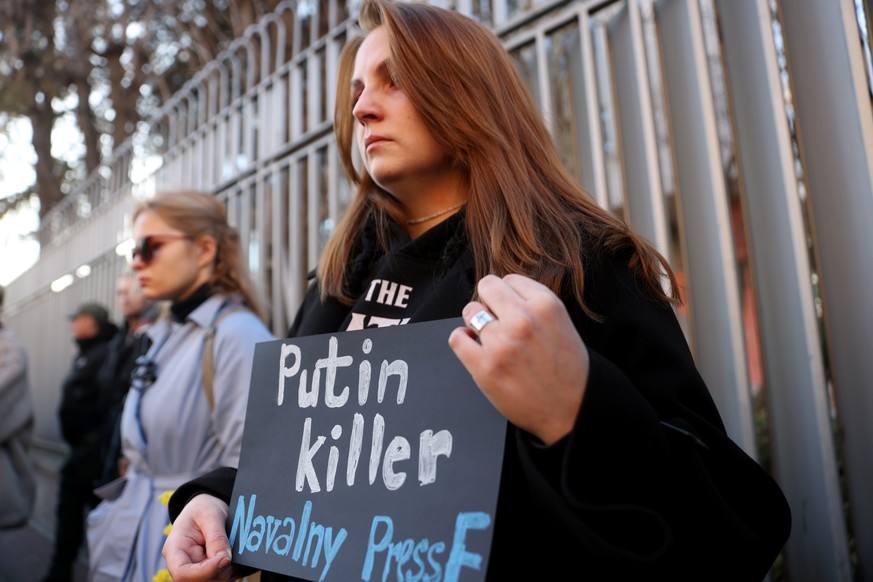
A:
{"points": [[138, 313], [81, 421], [17, 485], [183, 415]]}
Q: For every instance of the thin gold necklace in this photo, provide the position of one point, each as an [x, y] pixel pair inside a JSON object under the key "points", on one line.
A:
{"points": [[435, 214]]}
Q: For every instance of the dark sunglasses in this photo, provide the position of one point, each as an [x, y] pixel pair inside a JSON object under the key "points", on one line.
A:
{"points": [[147, 246]]}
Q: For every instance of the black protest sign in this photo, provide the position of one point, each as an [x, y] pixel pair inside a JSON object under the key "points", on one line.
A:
{"points": [[367, 455]]}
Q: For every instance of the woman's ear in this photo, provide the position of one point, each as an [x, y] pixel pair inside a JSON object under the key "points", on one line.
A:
{"points": [[207, 249]]}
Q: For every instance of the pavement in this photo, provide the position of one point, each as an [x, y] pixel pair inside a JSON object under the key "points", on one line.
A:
{"points": [[25, 553]]}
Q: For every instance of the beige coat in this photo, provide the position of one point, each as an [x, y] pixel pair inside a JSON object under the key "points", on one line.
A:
{"points": [[17, 486], [170, 434]]}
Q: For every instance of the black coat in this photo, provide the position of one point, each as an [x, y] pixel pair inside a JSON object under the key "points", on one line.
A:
{"points": [[114, 380], [80, 412], [647, 486]]}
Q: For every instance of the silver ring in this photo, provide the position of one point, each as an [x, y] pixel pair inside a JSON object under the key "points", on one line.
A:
{"points": [[480, 320]]}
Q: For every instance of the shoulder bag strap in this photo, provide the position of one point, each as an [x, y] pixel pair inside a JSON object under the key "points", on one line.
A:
{"points": [[208, 362]]}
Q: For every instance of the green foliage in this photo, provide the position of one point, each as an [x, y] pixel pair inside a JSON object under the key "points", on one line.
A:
{"points": [[104, 65]]}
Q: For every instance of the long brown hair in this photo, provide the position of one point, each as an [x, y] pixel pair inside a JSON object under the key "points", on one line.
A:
{"points": [[199, 213], [525, 213]]}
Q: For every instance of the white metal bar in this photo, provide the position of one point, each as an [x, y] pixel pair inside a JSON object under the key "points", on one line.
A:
{"points": [[296, 97], [542, 79], [804, 457], [313, 207], [593, 163], [278, 251], [835, 121], [712, 281], [639, 146], [313, 93]]}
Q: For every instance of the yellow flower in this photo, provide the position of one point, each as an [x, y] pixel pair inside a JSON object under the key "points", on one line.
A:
{"points": [[165, 497], [167, 529], [162, 576]]}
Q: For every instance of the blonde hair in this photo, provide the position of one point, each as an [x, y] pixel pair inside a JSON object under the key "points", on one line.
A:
{"points": [[201, 214], [525, 213]]}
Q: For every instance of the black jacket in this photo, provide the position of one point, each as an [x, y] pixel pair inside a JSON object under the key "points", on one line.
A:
{"points": [[80, 412], [114, 380], [114, 376], [647, 486]]}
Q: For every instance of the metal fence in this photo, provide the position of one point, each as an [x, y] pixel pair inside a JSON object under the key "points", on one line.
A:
{"points": [[735, 134]]}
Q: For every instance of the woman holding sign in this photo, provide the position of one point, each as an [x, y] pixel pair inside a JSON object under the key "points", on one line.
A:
{"points": [[617, 465]]}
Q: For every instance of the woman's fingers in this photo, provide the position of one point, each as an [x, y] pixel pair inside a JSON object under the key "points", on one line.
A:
{"points": [[524, 353]]}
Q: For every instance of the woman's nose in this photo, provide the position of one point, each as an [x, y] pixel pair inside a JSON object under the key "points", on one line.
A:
{"points": [[136, 262], [365, 108]]}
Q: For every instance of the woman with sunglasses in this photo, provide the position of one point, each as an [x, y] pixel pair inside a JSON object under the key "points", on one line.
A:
{"points": [[616, 463], [176, 423]]}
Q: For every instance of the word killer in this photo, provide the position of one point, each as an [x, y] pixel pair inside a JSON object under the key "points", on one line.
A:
{"points": [[430, 447]]}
